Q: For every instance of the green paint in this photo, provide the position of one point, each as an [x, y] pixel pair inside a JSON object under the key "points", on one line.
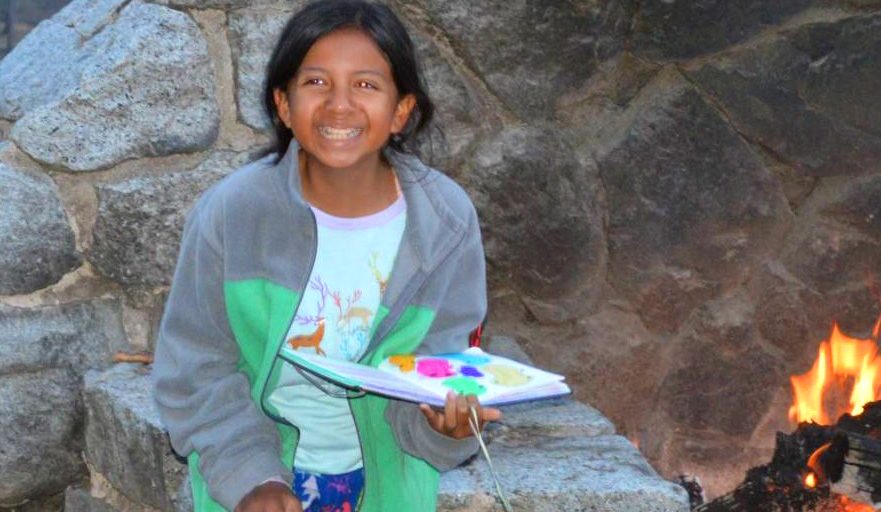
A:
{"points": [[465, 386]]}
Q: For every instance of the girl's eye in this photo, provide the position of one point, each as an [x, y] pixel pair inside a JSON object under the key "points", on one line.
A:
{"points": [[313, 81], [365, 84]]}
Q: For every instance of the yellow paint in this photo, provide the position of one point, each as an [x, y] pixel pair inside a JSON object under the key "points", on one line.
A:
{"points": [[506, 375]]}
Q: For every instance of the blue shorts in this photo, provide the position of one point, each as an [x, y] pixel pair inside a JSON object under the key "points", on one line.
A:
{"points": [[329, 493]]}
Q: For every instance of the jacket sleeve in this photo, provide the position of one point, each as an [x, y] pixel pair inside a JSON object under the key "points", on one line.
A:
{"points": [[462, 308], [203, 400]]}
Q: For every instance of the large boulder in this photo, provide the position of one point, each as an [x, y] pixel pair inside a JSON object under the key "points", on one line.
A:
{"points": [[447, 142], [252, 37], [125, 441], [40, 433], [137, 233], [38, 243], [691, 207], [541, 219], [811, 96], [78, 335], [835, 252], [43, 354], [93, 87], [508, 43], [685, 29]]}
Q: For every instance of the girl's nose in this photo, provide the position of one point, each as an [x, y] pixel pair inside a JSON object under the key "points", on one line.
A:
{"points": [[338, 100]]}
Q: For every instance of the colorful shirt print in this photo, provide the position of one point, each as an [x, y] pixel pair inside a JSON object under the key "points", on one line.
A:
{"points": [[335, 319]]}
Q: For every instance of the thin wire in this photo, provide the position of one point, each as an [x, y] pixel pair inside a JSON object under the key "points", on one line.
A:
{"points": [[326, 387], [473, 422]]}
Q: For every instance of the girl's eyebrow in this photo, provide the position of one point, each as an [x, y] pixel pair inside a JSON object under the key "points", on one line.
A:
{"points": [[356, 72]]}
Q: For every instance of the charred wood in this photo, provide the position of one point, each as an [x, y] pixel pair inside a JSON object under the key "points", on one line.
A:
{"points": [[846, 461]]}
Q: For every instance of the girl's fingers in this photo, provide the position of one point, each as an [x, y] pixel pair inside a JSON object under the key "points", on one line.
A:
{"points": [[491, 414], [450, 409], [432, 416]]}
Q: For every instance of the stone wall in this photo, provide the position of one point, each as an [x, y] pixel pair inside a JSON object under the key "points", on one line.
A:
{"points": [[677, 198]]}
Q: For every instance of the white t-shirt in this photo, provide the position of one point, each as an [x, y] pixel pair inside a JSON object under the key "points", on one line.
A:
{"points": [[352, 265]]}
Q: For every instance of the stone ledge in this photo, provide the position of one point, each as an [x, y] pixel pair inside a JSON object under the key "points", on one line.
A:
{"points": [[550, 455]]}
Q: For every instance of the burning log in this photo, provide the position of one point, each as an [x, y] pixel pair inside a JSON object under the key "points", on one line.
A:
{"points": [[851, 461], [811, 466]]}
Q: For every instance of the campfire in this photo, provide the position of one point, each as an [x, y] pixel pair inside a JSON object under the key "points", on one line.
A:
{"points": [[832, 462]]}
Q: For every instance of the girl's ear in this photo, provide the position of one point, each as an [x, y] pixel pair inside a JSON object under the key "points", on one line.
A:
{"points": [[281, 106], [402, 112]]}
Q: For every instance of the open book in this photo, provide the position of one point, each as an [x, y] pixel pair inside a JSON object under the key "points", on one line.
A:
{"points": [[426, 379]]}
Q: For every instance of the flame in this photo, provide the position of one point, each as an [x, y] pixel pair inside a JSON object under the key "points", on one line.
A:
{"points": [[811, 481], [842, 362], [851, 506]]}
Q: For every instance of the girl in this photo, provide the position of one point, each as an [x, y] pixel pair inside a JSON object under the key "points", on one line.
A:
{"points": [[339, 243]]}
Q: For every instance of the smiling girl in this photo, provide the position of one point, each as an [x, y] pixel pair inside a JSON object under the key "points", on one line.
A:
{"points": [[340, 243]]}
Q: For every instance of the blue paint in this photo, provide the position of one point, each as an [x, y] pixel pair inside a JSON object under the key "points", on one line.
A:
{"points": [[469, 359], [470, 371]]}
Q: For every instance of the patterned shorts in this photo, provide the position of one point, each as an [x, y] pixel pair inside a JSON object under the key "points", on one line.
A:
{"points": [[328, 493]]}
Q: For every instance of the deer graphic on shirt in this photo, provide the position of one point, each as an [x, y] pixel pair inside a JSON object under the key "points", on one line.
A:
{"points": [[313, 340], [351, 312], [381, 280]]}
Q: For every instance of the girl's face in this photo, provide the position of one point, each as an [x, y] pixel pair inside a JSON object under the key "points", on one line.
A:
{"points": [[342, 105]]}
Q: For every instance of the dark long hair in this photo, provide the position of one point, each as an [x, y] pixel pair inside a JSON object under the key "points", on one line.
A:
{"points": [[321, 17]]}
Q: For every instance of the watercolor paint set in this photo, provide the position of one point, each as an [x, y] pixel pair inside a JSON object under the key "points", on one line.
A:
{"points": [[495, 380]]}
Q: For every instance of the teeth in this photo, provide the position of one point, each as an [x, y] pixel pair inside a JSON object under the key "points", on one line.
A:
{"points": [[338, 133]]}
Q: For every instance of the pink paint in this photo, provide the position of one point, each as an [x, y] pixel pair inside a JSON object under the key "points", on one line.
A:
{"points": [[434, 367]]}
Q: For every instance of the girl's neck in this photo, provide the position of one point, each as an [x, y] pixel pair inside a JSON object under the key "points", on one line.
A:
{"points": [[348, 192]]}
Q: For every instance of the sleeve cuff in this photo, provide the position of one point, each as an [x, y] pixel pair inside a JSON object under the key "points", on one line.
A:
{"points": [[248, 474], [447, 452]]}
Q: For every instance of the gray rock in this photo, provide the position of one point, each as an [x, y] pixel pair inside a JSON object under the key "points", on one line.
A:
{"points": [[457, 491], [506, 346], [604, 473], [40, 433], [79, 500], [834, 248], [687, 29], [445, 143], [788, 314], [508, 44], [216, 4], [141, 86], [810, 96], [612, 362], [716, 390], [86, 18], [691, 219], [184, 496], [125, 441], [561, 417], [78, 336], [137, 233], [27, 80], [253, 35], [38, 244], [554, 257]]}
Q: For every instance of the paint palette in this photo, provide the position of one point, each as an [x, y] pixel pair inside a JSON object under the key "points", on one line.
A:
{"points": [[491, 378], [427, 379]]}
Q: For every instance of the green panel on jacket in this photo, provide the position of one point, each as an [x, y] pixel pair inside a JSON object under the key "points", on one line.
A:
{"points": [[393, 479], [259, 314]]}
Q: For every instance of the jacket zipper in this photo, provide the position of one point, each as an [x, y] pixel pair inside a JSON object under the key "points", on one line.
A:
{"points": [[302, 290], [282, 420]]}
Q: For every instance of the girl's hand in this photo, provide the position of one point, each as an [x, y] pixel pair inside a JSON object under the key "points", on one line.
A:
{"points": [[270, 497], [453, 420]]}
